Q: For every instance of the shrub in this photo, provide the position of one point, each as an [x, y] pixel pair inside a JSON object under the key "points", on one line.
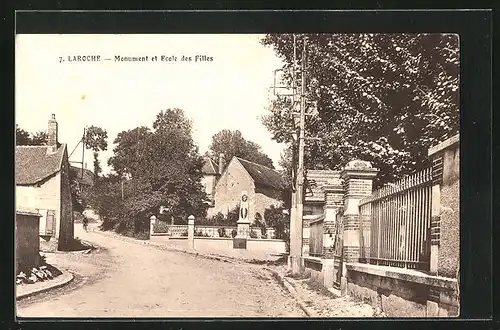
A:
{"points": [[233, 216], [253, 234], [261, 225], [234, 232], [218, 219], [222, 232]]}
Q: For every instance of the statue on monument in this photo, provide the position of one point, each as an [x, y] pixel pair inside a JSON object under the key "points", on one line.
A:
{"points": [[243, 207]]}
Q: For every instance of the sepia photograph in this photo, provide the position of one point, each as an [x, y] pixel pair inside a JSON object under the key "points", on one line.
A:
{"points": [[237, 175]]}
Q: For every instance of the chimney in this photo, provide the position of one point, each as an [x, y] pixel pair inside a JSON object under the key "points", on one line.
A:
{"points": [[52, 133], [222, 163]]}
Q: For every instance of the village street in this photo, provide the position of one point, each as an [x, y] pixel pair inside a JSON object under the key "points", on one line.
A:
{"points": [[131, 280]]}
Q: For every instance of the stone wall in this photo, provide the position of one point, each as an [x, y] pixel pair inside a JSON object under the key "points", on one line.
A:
{"points": [[449, 251], [27, 241], [402, 292]]}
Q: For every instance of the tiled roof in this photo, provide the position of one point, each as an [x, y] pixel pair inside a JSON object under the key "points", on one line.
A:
{"points": [[209, 167], [88, 175], [34, 163], [317, 179], [263, 175]]}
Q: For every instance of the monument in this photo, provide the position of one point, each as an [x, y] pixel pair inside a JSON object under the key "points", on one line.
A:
{"points": [[243, 224]]}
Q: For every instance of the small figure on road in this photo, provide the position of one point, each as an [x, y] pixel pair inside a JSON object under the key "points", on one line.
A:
{"points": [[85, 223]]}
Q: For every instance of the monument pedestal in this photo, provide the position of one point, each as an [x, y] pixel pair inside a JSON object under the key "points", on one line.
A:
{"points": [[243, 233], [243, 229]]}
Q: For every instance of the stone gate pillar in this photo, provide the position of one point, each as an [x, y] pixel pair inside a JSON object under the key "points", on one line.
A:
{"points": [[358, 178], [191, 231], [152, 221], [333, 202]]}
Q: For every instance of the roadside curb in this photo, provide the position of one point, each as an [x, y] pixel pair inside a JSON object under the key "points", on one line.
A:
{"points": [[163, 247], [65, 278], [293, 292]]}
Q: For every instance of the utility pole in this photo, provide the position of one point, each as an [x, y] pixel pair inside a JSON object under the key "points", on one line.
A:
{"points": [[295, 260], [296, 220], [294, 225], [83, 149]]}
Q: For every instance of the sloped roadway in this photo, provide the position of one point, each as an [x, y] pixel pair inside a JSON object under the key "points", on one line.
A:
{"points": [[126, 279]]}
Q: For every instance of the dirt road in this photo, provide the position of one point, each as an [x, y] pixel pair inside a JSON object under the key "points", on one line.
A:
{"points": [[131, 280]]}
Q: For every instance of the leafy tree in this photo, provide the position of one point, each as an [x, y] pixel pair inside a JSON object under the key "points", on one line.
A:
{"points": [[385, 98], [232, 143], [105, 199], [129, 150], [77, 199], [22, 136], [25, 138], [96, 139], [275, 218], [39, 138], [165, 169]]}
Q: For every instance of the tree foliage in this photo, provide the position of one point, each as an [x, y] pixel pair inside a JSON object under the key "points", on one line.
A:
{"points": [[385, 98], [164, 169], [96, 139], [232, 143], [25, 138]]}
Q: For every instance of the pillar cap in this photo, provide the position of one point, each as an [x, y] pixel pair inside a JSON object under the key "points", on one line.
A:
{"points": [[152, 217], [358, 168], [444, 145], [191, 217]]}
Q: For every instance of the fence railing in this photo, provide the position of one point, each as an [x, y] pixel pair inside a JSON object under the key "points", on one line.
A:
{"points": [[162, 227], [316, 237], [399, 218]]}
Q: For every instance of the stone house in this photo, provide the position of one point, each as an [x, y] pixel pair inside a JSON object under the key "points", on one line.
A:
{"points": [[42, 183], [209, 179], [263, 185], [27, 239]]}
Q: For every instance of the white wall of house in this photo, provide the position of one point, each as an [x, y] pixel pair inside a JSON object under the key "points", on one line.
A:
{"points": [[208, 181], [46, 197]]}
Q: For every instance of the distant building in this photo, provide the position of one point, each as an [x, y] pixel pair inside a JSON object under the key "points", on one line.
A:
{"points": [[314, 200], [263, 185], [83, 180], [42, 183], [209, 180]]}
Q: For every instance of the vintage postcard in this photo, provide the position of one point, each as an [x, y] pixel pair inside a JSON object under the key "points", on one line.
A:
{"points": [[237, 175]]}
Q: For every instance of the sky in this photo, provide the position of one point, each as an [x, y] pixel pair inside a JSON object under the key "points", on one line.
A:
{"points": [[230, 92]]}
